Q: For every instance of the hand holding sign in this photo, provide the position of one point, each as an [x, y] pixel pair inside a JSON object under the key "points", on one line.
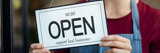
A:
{"points": [[38, 48], [117, 43]]}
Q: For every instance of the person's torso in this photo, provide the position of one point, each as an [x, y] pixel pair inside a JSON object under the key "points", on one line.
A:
{"points": [[124, 26]]}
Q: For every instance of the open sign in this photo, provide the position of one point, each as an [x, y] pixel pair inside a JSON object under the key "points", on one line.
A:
{"points": [[72, 25], [63, 29]]}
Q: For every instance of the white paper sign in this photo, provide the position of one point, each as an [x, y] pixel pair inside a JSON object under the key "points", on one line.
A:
{"points": [[72, 25]]}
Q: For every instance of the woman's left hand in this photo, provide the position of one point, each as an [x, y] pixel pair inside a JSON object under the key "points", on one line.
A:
{"points": [[117, 44]]}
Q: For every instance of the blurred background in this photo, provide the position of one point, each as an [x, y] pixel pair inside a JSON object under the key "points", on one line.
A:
{"points": [[31, 24], [0, 25]]}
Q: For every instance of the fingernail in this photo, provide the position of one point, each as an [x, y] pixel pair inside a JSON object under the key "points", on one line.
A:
{"points": [[101, 44], [103, 38], [108, 43], [38, 47], [111, 37], [46, 50]]}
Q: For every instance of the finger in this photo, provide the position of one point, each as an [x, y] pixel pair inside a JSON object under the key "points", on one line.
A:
{"points": [[40, 51], [37, 46], [116, 44], [116, 50], [115, 38]]}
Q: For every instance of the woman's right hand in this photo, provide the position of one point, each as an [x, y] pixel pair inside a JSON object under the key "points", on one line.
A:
{"points": [[38, 48]]}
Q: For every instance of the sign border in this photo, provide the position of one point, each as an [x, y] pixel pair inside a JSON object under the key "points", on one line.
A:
{"points": [[68, 8]]}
